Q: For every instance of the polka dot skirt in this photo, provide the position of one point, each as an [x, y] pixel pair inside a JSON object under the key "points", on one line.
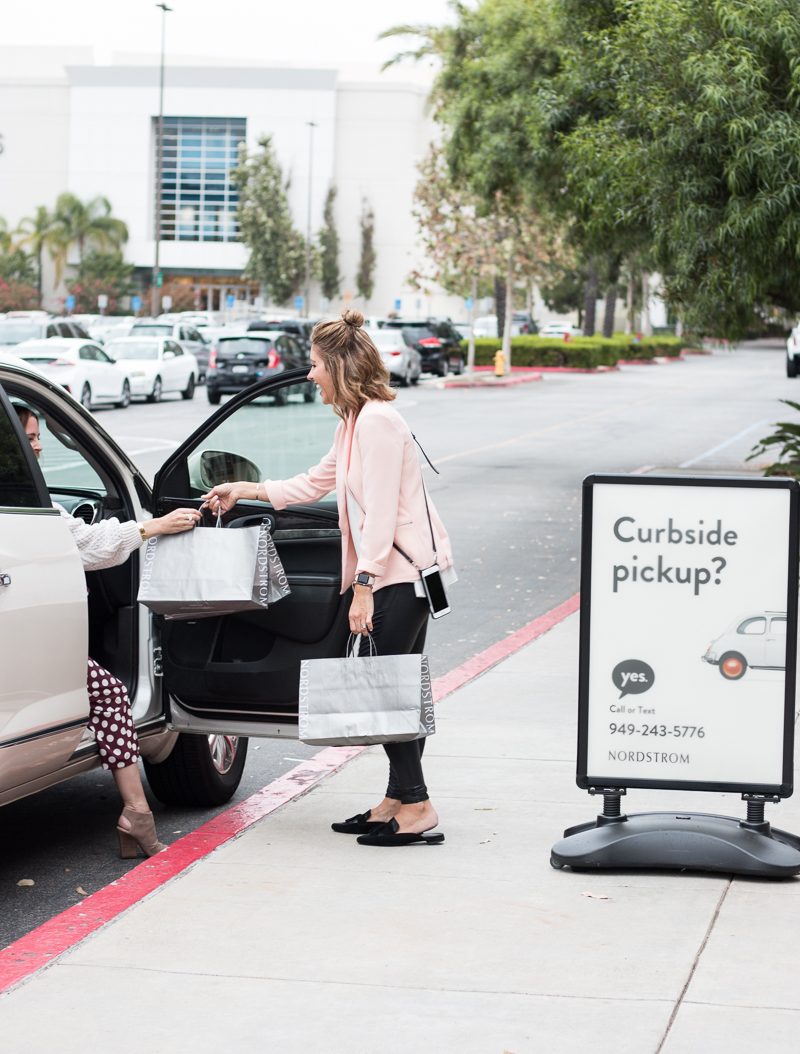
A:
{"points": [[110, 719]]}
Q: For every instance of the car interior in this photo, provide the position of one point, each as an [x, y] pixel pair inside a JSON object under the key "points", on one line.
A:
{"points": [[78, 477]]}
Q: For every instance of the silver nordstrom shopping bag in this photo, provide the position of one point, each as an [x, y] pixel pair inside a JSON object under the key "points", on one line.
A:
{"points": [[363, 700], [209, 572]]}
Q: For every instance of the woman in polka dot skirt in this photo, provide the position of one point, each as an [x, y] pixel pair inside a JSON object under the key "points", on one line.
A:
{"points": [[107, 544]]}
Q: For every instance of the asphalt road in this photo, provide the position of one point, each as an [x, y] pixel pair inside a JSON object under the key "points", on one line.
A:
{"points": [[511, 462]]}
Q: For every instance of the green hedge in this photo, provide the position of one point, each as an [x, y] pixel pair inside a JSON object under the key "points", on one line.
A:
{"points": [[580, 352]]}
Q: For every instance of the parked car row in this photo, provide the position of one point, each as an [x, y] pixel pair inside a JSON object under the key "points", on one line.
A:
{"points": [[131, 366]]}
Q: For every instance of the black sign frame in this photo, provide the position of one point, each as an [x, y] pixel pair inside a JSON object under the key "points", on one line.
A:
{"points": [[583, 778]]}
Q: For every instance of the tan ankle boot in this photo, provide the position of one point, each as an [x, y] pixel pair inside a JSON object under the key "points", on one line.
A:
{"points": [[141, 836]]}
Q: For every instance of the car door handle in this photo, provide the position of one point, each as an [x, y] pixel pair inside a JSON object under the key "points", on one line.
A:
{"points": [[5, 580]]}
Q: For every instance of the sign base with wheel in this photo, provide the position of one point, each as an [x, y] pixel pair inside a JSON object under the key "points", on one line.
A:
{"points": [[667, 563]]}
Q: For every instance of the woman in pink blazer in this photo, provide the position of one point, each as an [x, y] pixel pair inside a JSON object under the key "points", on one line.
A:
{"points": [[374, 469]]}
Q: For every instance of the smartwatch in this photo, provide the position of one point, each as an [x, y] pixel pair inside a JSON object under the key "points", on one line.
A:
{"points": [[364, 579]]}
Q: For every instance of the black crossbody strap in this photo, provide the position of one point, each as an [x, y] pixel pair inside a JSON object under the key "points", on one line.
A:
{"points": [[435, 469]]}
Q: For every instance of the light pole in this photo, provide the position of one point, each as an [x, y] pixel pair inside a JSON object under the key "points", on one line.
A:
{"points": [[155, 292], [311, 127]]}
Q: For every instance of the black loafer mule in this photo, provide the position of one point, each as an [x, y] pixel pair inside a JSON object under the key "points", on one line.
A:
{"points": [[358, 824], [387, 834]]}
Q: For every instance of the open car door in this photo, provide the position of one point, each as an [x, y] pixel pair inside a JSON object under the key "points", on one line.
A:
{"points": [[238, 674]]}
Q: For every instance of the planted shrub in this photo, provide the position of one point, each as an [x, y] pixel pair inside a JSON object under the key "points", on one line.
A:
{"points": [[580, 352]]}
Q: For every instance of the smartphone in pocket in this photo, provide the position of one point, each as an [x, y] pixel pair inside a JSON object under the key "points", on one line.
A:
{"points": [[434, 590]]}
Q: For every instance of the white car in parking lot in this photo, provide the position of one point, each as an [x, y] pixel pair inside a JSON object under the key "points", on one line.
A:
{"points": [[793, 352], [562, 330], [156, 366], [80, 366]]}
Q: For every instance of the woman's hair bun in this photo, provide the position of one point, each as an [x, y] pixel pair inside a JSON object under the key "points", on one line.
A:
{"points": [[353, 318]]}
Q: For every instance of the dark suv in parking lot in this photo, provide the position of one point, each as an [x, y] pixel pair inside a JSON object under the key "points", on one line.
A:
{"points": [[240, 359]]}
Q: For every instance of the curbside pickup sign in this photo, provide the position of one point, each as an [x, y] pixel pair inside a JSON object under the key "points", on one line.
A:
{"points": [[688, 633]]}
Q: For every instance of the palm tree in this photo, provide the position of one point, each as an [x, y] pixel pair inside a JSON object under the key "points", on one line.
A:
{"points": [[38, 234], [5, 236], [87, 224]]}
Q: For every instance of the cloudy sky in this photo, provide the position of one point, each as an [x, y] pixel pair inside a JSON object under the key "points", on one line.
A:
{"points": [[295, 32]]}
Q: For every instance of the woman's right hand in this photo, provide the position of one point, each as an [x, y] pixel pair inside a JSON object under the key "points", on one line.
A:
{"points": [[223, 497]]}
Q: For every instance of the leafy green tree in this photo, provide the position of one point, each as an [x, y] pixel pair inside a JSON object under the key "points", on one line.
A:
{"points": [[88, 225], [39, 234], [17, 266], [101, 273], [701, 149], [277, 249], [365, 277], [330, 276]]}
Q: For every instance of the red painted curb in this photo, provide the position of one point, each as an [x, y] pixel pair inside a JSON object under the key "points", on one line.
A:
{"points": [[474, 667], [499, 382], [58, 935]]}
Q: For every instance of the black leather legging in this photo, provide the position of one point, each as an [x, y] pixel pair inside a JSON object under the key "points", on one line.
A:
{"points": [[400, 622]]}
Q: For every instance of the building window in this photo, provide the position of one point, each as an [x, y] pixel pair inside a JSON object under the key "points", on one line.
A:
{"points": [[198, 196]]}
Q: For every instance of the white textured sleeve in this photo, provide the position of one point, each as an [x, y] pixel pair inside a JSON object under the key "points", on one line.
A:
{"points": [[104, 544]]}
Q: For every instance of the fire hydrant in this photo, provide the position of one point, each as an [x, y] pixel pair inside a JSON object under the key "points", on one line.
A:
{"points": [[499, 364]]}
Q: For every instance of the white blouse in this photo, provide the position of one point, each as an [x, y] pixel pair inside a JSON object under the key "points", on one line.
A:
{"points": [[103, 544]]}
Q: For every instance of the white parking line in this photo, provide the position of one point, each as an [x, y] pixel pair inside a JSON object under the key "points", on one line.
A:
{"points": [[721, 446]]}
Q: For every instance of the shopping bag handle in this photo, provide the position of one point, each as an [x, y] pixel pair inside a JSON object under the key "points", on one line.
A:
{"points": [[350, 651]]}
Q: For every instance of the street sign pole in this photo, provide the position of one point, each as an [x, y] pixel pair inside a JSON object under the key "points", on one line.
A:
{"points": [[155, 295]]}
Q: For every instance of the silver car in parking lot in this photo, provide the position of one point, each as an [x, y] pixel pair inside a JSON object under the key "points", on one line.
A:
{"points": [[403, 362]]}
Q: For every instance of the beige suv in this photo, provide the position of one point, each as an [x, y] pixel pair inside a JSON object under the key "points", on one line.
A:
{"points": [[198, 689]]}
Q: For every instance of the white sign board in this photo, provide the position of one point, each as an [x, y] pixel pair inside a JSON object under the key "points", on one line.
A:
{"points": [[688, 633]]}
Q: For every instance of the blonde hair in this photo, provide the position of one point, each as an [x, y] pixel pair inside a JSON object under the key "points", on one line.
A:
{"points": [[352, 361]]}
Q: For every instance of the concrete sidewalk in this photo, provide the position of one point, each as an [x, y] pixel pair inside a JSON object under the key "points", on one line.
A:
{"points": [[294, 939]]}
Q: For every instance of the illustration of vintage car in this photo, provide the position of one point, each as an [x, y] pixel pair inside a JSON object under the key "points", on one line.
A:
{"points": [[756, 640]]}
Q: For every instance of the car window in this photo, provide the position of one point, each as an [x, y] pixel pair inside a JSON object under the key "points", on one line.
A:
{"points": [[152, 330], [140, 349], [17, 485], [101, 356], [753, 626], [63, 464], [89, 353], [778, 626], [192, 334], [279, 442], [54, 331], [14, 331], [251, 345], [66, 329]]}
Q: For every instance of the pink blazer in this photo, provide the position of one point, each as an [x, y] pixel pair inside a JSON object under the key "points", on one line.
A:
{"points": [[375, 456]]}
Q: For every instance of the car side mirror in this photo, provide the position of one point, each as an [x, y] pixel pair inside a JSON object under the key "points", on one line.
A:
{"points": [[169, 355], [218, 466]]}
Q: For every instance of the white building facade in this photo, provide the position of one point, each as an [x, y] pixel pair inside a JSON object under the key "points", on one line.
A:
{"points": [[68, 124]]}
